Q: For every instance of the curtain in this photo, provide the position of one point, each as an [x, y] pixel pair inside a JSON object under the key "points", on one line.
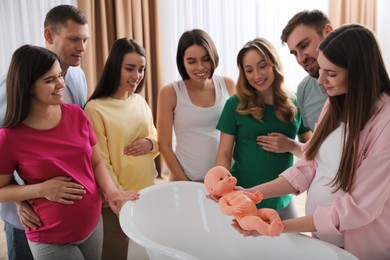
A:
{"points": [[353, 11], [113, 19]]}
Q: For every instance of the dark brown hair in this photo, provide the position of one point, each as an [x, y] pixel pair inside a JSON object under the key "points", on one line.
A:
{"points": [[58, 16], [28, 63], [354, 48], [315, 19], [195, 37], [109, 80]]}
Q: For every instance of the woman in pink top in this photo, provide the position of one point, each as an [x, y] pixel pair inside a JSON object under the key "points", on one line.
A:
{"points": [[53, 149], [346, 169]]}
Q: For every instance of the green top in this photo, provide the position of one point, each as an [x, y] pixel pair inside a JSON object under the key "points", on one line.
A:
{"points": [[252, 165]]}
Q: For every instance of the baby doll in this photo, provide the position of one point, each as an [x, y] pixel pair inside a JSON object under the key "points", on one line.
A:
{"points": [[241, 204]]}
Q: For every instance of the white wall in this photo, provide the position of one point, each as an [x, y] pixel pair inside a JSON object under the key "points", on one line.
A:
{"points": [[383, 32], [231, 23], [21, 22]]}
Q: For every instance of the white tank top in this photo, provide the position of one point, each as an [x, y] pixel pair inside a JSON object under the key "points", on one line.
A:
{"points": [[320, 192], [197, 138]]}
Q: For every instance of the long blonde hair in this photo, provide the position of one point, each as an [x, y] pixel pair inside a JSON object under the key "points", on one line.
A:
{"points": [[250, 101]]}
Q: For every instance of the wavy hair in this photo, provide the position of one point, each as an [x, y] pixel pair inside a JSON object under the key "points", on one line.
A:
{"points": [[250, 101]]}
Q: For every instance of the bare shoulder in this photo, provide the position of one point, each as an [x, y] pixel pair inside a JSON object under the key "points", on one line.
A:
{"points": [[167, 95], [167, 90], [230, 85]]}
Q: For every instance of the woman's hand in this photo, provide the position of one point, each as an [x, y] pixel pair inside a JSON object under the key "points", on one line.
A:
{"points": [[243, 232], [138, 147], [61, 189], [276, 143], [117, 198]]}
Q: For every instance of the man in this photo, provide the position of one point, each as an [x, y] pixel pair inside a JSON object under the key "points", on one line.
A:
{"points": [[303, 33], [66, 33]]}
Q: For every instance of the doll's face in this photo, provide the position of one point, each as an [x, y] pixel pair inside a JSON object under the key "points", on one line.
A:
{"points": [[218, 181]]}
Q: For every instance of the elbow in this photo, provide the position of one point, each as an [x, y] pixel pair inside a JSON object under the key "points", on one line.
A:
{"points": [[164, 148]]}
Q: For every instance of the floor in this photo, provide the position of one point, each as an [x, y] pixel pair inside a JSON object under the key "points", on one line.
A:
{"points": [[299, 202]]}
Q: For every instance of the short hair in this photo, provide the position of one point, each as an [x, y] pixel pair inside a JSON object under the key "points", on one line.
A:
{"points": [[110, 78], [28, 63], [58, 16], [195, 37], [315, 19]]}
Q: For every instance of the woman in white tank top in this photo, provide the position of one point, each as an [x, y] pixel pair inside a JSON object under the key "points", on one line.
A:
{"points": [[189, 109]]}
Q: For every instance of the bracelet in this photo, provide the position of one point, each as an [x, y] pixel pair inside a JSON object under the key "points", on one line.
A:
{"points": [[150, 140]]}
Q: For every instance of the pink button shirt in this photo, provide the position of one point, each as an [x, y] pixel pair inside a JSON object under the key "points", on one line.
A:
{"points": [[362, 215]]}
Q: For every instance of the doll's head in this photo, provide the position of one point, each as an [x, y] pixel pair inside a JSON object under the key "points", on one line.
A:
{"points": [[218, 181]]}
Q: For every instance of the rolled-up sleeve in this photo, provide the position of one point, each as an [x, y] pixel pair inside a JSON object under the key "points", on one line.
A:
{"points": [[301, 175], [366, 201]]}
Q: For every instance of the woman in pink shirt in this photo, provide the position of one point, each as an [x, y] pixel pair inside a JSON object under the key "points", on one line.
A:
{"points": [[52, 147], [346, 169]]}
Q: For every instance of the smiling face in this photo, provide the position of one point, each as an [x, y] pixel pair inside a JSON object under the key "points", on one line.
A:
{"points": [[197, 63], [258, 72], [69, 43], [132, 72], [302, 43], [48, 88], [333, 78]]}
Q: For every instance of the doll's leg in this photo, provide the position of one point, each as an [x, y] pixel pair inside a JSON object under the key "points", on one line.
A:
{"points": [[268, 214], [254, 223], [272, 217]]}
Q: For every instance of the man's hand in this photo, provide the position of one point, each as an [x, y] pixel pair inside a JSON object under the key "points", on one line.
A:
{"points": [[28, 218]]}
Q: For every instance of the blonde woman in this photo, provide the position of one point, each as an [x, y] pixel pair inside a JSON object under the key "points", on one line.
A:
{"points": [[260, 123]]}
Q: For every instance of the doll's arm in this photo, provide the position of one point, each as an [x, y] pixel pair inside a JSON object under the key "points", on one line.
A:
{"points": [[256, 197], [229, 209]]}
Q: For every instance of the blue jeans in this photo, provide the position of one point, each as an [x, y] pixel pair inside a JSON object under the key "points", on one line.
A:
{"points": [[17, 244]]}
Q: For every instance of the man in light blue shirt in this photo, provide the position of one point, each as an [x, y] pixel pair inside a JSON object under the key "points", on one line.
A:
{"points": [[66, 33]]}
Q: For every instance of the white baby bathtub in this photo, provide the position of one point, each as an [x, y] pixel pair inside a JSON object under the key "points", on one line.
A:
{"points": [[176, 221]]}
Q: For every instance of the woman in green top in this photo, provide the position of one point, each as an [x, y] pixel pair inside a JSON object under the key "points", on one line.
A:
{"points": [[260, 123]]}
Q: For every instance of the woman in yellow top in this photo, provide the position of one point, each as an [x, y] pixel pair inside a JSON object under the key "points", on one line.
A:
{"points": [[127, 139]]}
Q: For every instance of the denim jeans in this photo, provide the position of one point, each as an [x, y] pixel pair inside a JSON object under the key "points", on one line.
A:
{"points": [[17, 244]]}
